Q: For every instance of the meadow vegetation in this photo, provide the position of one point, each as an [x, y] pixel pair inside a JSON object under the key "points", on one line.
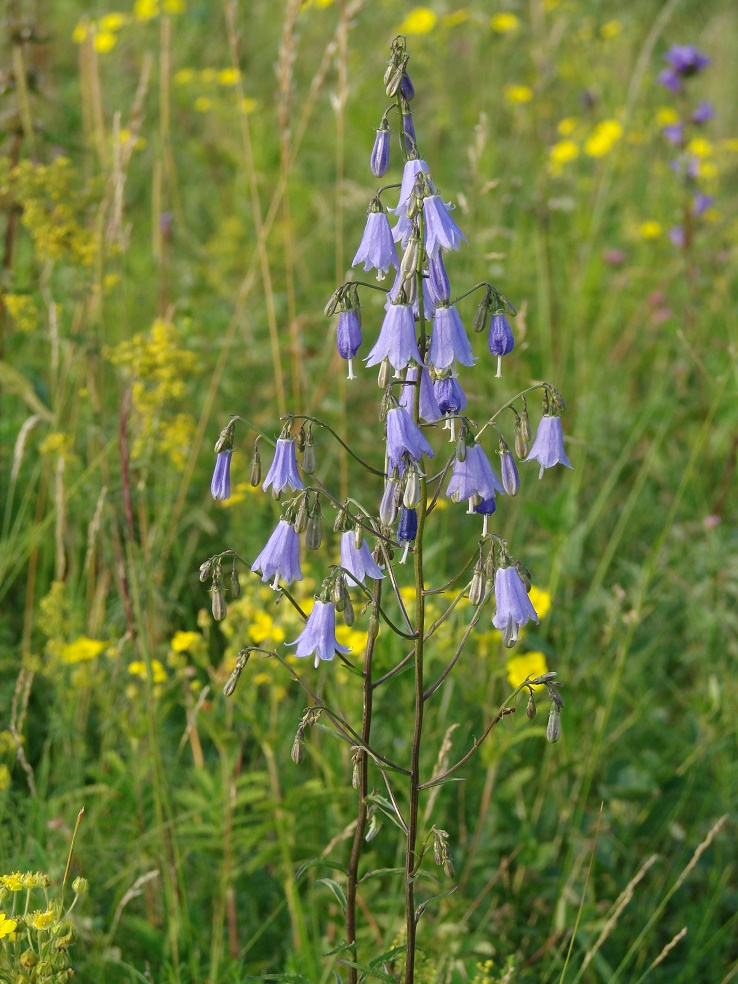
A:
{"points": [[182, 186]]}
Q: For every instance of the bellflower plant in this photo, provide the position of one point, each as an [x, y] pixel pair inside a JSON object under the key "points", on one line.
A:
{"points": [[388, 519]]}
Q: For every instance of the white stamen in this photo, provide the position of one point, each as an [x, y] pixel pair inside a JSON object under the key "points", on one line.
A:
{"points": [[470, 507], [498, 374], [453, 428], [485, 524], [351, 369], [405, 552], [274, 585]]}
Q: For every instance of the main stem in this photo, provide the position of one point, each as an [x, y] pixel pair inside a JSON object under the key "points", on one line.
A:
{"points": [[361, 817]]}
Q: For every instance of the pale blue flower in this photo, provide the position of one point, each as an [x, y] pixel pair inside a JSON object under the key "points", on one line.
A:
{"points": [[441, 232], [409, 175], [473, 476], [429, 409], [379, 160], [377, 249], [404, 437], [283, 471], [220, 486], [548, 447], [438, 285], [319, 634], [280, 557], [397, 341], [359, 562], [449, 340], [514, 607]]}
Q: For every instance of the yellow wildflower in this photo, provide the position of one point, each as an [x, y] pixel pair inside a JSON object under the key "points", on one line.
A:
{"points": [[202, 104], [541, 600], [183, 76], [22, 309], [82, 649], [4, 777], [138, 668], [13, 882], [35, 879], [699, 147], [610, 29], [355, 639], [420, 20], [567, 126], [516, 94], [80, 31], [182, 642], [208, 75], [262, 678], [7, 925], [666, 116], [145, 9], [708, 169], [606, 134], [650, 229], [519, 668], [174, 6], [42, 920], [113, 22], [262, 627], [228, 76], [248, 105], [457, 17], [57, 443], [105, 41], [562, 152], [504, 23]]}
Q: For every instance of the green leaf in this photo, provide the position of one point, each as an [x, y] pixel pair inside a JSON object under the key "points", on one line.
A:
{"points": [[381, 871], [387, 808], [337, 891], [316, 862], [436, 898]]}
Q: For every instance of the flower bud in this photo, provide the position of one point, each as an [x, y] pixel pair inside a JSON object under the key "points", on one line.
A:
{"points": [[385, 374], [235, 583], [296, 754], [255, 470], [388, 507], [510, 477], [301, 519], [482, 313], [530, 709], [309, 461], [372, 629], [217, 601], [409, 262], [406, 87], [341, 522], [477, 588], [28, 959], [338, 595], [314, 532], [525, 424], [395, 80], [205, 570], [461, 448], [379, 159], [411, 495], [349, 615], [80, 885], [553, 728]]}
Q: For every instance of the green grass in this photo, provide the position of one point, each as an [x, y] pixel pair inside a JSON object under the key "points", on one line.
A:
{"points": [[196, 820]]}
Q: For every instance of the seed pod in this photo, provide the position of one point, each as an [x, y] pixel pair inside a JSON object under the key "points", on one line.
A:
{"points": [[205, 570], [314, 532], [553, 728], [255, 470], [461, 448], [349, 616], [385, 374], [358, 536], [530, 710], [372, 629], [411, 496], [217, 601], [301, 519], [235, 583], [477, 587], [309, 461]]}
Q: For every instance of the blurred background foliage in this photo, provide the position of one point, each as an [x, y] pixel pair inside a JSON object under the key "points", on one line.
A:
{"points": [[183, 184]]}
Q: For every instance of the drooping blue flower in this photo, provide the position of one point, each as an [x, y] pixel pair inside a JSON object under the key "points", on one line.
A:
{"points": [[676, 236], [348, 337], [428, 408], [701, 203], [449, 340], [686, 60], [451, 397], [509, 472], [408, 128], [674, 133], [377, 249], [280, 557], [379, 160], [409, 174], [397, 341], [359, 562], [428, 305], [514, 607], [438, 285], [441, 232], [500, 339], [404, 437], [485, 508], [548, 447], [407, 528], [474, 476], [407, 89], [402, 230], [319, 634], [283, 470], [220, 486], [704, 111]]}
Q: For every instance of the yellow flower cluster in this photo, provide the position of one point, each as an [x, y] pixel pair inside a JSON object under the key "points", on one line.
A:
{"points": [[517, 94], [137, 668], [159, 367], [23, 311], [604, 137], [504, 23], [82, 650]]}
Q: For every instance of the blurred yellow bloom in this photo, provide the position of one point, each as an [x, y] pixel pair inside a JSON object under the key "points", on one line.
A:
{"points": [[567, 126], [208, 75], [421, 20], [516, 94], [42, 920], [7, 925], [113, 22], [4, 777], [606, 134], [263, 627], [610, 29], [519, 668], [202, 104], [57, 443], [145, 9], [562, 153], [458, 17], [666, 115], [650, 229], [82, 649], [708, 169], [80, 32], [138, 668], [248, 105], [504, 23], [541, 600], [355, 639], [700, 147], [105, 41], [183, 76], [13, 882], [262, 678], [182, 642], [228, 76], [174, 6]]}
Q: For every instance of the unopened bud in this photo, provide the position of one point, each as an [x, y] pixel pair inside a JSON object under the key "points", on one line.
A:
{"points": [[337, 594], [510, 476], [372, 629], [80, 885], [28, 960], [355, 767], [341, 522], [358, 536], [309, 460], [525, 424], [409, 262], [477, 588], [385, 374], [349, 616], [553, 728], [411, 495], [205, 570], [482, 313], [395, 80], [217, 601], [388, 506], [461, 448], [255, 470], [301, 517], [235, 583], [314, 532], [530, 709]]}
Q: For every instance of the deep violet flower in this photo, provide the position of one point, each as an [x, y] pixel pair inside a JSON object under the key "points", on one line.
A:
{"points": [[686, 60], [348, 337], [280, 557], [514, 607], [500, 339], [409, 174], [397, 341], [377, 248], [319, 634], [548, 447], [407, 529], [473, 476], [404, 437], [451, 397], [284, 471], [220, 486], [485, 508], [674, 133], [705, 111], [359, 562], [407, 89], [408, 129], [379, 160], [438, 285], [448, 339], [441, 232], [428, 408]]}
